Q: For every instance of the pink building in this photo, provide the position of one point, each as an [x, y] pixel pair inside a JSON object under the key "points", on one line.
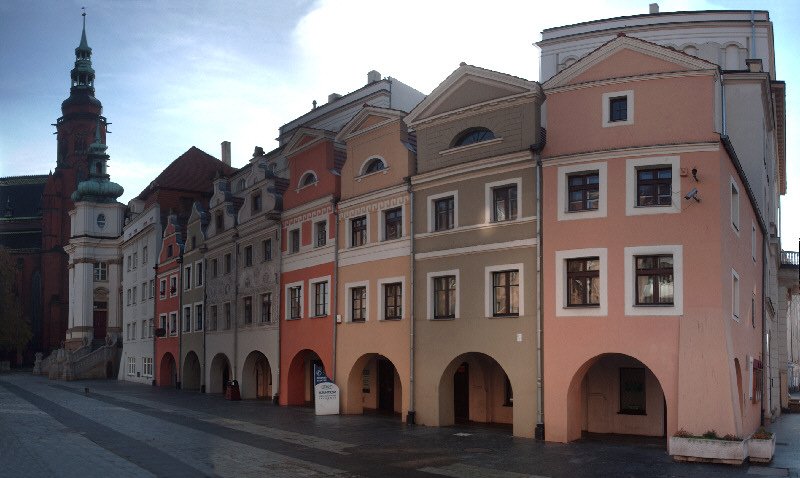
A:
{"points": [[653, 251]]}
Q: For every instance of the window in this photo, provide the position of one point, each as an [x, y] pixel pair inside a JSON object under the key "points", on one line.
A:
{"points": [[583, 281], [128, 295], [734, 206], [294, 240], [152, 289], [100, 271], [144, 255], [214, 267], [320, 299], [472, 135], [444, 297], [617, 108], [187, 319], [219, 222], [228, 263], [651, 184], [169, 250], [295, 302], [131, 365], [173, 324], [248, 310], [133, 330], [320, 233], [358, 231], [255, 205], [655, 283], [308, 179], [226, 311], [505, 293], [374, 165], [135, 260], [194, 242], [173, 285], [444, 210], [504, 200], [150, 328], [212, 324], [248, 256], [147, 366], [162, 288], [187, 277], [199, 268], [393, 301], [735, 295], [358, 304], [163, 321], [266, 249], [584, 191], [134, 294], [198, 317], [266, 308], [128, 263], [654, 187], [393, 224], [632, 391], [144, 291]]}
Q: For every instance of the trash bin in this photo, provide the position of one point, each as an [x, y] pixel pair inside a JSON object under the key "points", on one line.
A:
{"points": [[232, 391]]}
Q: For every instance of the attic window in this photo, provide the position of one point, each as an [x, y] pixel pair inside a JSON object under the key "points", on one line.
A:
{"points": [[374, 165], [472, 135], [308, 179]]}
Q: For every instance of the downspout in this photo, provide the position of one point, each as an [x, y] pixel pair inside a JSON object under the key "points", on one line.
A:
{"points": [[335, 286], [724, 105], [276, 386], [411, 416], [205, 321], [156, 323], [236, 306], [181, 315], [764, 321], [536, 150]]}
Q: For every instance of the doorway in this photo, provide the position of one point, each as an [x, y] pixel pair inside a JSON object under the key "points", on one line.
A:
{"points": [[386, 386], [461, 393]]}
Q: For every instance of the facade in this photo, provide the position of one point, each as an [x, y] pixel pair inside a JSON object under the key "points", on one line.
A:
{"points": [[373, 276], [475, 251], [192, 340], [173, 319], [787, 343], [664, 321]]}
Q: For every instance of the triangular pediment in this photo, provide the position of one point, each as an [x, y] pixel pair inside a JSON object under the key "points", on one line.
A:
{"points": [[304, 138], [623, 57], [368, 119], [471, 87]]}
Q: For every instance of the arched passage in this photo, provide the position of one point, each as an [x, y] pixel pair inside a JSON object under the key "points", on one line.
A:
{"points": [[374, 384], [300, 383], [475, 388], [256, 377], [615, 394], [220, 373], [167, 370], [191, 372]]}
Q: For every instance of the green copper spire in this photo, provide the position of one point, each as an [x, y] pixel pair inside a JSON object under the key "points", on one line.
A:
{"points": [[83, 73], [98, 188]]}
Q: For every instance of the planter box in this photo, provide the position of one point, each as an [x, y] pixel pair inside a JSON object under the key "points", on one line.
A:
{"points": [[708, 450], [761, 451]]}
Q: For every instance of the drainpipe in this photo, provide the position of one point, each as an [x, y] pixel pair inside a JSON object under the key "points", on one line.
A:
{"points": [[764, 263], [536, 151], [236, 305], [156, 323], [411, 416], [724, 106], [205, 319], [276, 385], [181, 315], [335, 286]]}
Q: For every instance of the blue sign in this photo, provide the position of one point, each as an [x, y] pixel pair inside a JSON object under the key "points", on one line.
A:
{"points": [[319, 375]]}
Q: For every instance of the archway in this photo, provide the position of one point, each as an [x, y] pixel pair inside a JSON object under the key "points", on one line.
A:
{"points": [[220, 373], [475, 388], [300, 383], [167, 370], [256, 377], [373, 384], [615, 394], [191, 372]]}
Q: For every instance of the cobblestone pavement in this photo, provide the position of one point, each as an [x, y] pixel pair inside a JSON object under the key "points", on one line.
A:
{"points": [[117, 429]]}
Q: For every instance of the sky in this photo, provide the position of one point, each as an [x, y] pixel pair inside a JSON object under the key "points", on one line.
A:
{"points": [[184, 73]]}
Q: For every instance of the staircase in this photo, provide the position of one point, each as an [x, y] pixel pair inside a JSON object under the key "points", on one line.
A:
{"points": [[96, 360]]}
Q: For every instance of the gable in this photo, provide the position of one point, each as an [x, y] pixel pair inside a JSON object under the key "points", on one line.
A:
{"points": [[469, 92], [304, 139], [371, 117], [624, 63]]}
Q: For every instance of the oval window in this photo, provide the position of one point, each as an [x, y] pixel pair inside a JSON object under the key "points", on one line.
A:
{"points": [[101, 221]]}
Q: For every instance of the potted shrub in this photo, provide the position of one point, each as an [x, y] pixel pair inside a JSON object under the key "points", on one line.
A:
{"points": [[709, 447], [761, 446]]}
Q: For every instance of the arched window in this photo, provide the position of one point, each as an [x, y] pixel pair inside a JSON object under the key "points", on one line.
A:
{"points": [[374, 165], [472, 135], [308, 179]]}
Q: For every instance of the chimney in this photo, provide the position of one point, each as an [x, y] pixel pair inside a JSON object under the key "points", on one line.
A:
{"points": [[754, 65], [373, 76], [333, 97], [226, 152], [653, 8]]}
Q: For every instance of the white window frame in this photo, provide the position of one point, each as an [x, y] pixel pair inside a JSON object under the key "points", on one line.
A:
{"points": [[131, 366], [144, 291], [144, 329], [634, 164], [173, 323], [202, 315], [382, 221], [314, 225], [287, 300], [432, 211], [349, 231], [631, 309], [563, 191], [144, 255], [173, 277], [489, 199], [312, 299], [298, 228], [147, 366], [606, 106], [303, 177], [488, 289], [382, 297], [735, 207], [199, 275], [362, 170], [162, 321], [186, 322], [561, 282], [431, 305], [736, 285], [348, 302]]}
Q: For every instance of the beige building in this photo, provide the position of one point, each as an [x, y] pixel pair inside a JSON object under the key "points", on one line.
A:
{"points": [[475, 251], [374, 264], [191, 354]]}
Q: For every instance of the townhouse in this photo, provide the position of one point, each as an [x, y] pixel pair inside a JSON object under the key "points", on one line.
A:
{"points": [[171, 320], [191, 354]]}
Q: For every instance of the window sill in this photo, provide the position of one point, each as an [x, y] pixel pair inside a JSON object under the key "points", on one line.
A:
{"points": [[391, 319], [582, 306], [632, 412], [318, 316], [479, 144], [442, 319]]}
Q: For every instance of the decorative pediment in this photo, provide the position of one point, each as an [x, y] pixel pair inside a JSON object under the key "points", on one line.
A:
{"points": [[626, 56], [304, 138], [471, 87], [369, 118]]}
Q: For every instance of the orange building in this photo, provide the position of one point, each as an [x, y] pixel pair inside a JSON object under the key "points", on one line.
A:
{"points": [[168, 306]]}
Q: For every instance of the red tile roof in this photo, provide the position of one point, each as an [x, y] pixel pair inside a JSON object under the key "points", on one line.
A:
{"points": [[194, 170]]}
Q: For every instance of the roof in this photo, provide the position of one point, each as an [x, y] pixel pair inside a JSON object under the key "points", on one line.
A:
{"points": [[194, 170], [21, 196]]}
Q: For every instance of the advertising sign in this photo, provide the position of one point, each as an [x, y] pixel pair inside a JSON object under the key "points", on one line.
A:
{"points": [[326, 394]]}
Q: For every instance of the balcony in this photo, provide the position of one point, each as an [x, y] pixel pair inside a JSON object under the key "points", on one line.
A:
{"points": [[790, 259]]}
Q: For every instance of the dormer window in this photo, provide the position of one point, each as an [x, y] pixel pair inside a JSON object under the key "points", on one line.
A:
{"points": [[256, 204], [308, 179], [472, 135], [374, 165]]}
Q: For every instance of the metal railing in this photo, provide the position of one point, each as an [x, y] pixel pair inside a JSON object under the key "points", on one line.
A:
{"points": [[790, 258]]}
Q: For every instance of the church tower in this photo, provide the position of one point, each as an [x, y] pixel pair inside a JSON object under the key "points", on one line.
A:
{"points": [[81, 114]]}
